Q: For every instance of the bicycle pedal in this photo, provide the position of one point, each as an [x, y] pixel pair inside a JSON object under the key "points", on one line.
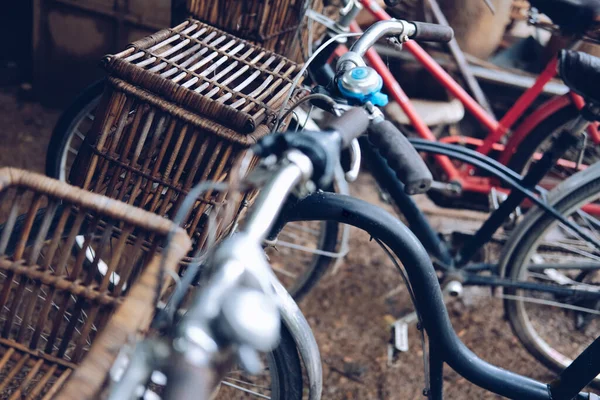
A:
{"points": [[399, 339], [400, 336]]}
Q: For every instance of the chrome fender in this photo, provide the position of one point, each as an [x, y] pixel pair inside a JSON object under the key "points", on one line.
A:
{"points": [[303, 337]]}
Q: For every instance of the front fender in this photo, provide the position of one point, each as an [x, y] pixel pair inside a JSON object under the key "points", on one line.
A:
{"points": [[303, 337]]}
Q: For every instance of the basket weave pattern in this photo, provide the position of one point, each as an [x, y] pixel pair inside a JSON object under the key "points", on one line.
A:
{"points": [[54, 302], [272, 24], [181, 106]]}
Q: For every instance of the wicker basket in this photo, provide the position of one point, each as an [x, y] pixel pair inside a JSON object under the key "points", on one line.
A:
{"points": [[276, 25], [54, 302], [181, 106]]}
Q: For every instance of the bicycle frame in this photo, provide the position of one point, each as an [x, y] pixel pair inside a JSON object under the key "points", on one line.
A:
{"points": [[520, 188], [496, 129], [444, 344]]}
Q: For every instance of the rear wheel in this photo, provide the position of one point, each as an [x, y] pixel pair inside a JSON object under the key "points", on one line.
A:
{"points": [[70, 131], [556, 327]]}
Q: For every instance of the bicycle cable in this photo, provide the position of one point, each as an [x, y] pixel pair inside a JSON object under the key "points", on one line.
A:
{"points": [[303, 70]]}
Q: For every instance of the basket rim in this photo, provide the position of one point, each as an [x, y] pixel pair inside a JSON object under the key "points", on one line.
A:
{"points": [[194, 119], [14, 177], [241, 121]]}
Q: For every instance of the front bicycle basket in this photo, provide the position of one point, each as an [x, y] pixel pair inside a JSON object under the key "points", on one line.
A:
{"points": [[68, 259]]}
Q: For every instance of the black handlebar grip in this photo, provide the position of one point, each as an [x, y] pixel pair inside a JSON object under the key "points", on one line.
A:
{"points": [[401, 156], [432, 32], [350, 125]]}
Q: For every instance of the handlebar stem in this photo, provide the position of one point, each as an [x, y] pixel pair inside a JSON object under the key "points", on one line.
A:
{"points": [[273, 195]]}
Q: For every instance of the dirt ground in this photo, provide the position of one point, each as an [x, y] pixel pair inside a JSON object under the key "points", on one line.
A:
{"points": [[349, 311]]}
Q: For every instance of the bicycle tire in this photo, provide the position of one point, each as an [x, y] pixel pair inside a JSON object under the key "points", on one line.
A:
{"points": [[328, 242], [285, 370], [516, 254], [289, 367], [65, 129]]}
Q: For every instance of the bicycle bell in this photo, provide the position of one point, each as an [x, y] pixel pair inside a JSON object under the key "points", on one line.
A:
{"points": [[360, 85]]}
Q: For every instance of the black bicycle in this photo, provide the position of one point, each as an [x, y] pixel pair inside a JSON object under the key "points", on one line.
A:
{"points": [[443, 344], [549, 269]]}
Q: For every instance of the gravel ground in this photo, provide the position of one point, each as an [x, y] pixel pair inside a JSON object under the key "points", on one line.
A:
{"points": [[25, 129], [350, 310]]}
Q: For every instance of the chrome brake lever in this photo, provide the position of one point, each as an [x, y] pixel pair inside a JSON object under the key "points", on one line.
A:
{"points": [[355, 159]]}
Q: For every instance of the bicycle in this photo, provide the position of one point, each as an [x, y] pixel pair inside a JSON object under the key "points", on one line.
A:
{"points": [[444, 344], [531, 136], [219, 326], [564, 212], [207, 334]]}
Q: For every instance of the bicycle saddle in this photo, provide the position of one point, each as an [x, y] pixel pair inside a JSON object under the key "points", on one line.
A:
{"points": [[581, 73], [572, 16]]}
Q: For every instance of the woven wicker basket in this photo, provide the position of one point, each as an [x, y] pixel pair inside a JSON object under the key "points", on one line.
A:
{"points": [[276, 25], [53, 301], [181, 106]]}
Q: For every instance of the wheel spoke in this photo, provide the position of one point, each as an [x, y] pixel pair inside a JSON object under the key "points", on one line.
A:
{"points": [[284, 272], [310, 249], [303, 228], [577, 251], [551, 303], [79, 134], [248, 383], [259, 395]]}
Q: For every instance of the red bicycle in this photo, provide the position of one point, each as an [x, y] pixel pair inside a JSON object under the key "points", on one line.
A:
{"points": [[533, 134]]}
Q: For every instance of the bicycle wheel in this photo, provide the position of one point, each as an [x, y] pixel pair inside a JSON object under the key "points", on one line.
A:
{"points": [[281, 379], [70, 131], [542, 138], [302, 254], [555, 327]]}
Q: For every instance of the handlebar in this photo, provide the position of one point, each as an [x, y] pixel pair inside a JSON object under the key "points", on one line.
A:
{"points": [[360, 84], [322, 148], [401, 156], [350, 125], [432, 32], [401, 29]]}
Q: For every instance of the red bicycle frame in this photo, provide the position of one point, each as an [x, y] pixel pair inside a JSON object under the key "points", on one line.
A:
{"points": [[496, 129]]}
